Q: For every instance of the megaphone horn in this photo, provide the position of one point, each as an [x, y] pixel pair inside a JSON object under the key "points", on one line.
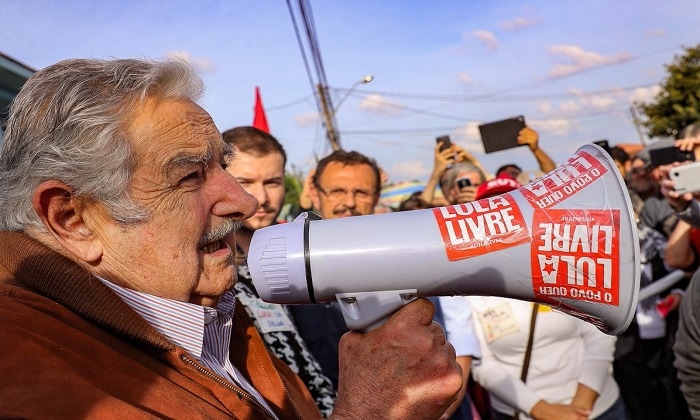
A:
{"points": [[567, 240]]}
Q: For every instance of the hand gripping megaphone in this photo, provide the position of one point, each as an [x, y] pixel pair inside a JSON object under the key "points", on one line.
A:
{"points": [[567, 240]]}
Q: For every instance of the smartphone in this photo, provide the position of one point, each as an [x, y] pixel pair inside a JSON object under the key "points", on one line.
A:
{"points": [[667, 155], [686, 178], [446, 142], [463, 182]]}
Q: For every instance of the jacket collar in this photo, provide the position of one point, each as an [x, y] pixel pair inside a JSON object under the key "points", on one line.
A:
{"points": [[32, 265]]}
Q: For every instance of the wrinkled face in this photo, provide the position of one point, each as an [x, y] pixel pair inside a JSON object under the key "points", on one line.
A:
{"points": [[263, 178], [346, 190], [178, 252]]}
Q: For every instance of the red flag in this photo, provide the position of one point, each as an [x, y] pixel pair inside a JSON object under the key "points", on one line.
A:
{"points": [[259, 119]]}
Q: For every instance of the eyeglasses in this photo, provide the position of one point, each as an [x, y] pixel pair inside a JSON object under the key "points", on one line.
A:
{"points": [[640, 170], [337, 194]]}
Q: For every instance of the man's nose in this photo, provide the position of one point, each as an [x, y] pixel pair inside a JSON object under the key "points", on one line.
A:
{"points": [[230, 198], [259, 192]]}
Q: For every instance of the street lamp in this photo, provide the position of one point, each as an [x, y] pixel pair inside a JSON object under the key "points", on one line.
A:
{"points": [[329, 112], [366, 79]]}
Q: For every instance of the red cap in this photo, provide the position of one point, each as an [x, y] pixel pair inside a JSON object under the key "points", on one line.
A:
{"points": [[497, 186]]}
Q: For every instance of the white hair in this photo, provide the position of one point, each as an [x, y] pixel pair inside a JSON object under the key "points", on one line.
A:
{"points": [[69, 123]]}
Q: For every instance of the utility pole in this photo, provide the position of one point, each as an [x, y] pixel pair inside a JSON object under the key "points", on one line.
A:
{"points": [[328, 114], [635, 120]]}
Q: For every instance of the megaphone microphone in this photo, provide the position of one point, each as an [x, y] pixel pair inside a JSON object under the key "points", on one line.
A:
{"points": [[567, 240]]}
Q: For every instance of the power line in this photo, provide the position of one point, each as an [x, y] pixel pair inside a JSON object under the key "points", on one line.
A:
{"points": [[320, 85], [493, 97]]}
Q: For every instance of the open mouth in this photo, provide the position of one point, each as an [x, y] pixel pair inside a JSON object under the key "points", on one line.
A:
{"points": [[212, 247]]}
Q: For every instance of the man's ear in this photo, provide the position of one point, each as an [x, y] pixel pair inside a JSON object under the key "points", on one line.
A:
{"points": [[63, 215], [315, 199]]}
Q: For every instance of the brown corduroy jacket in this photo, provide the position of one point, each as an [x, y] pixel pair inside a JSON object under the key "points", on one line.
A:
{"points": [[71, 348]]}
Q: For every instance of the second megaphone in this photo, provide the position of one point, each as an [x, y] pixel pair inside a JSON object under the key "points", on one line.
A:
{"points": [[567, 240]]}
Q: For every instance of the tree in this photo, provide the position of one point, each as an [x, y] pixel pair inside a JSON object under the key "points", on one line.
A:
{"points": [[678, 102], [293, 180]]}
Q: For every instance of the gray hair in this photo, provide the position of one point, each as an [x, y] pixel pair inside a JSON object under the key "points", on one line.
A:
{"points": [[69, 122], [447, 179]]}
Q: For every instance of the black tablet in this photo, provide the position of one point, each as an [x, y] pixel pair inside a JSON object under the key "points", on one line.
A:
{"points": [[501, 135]]}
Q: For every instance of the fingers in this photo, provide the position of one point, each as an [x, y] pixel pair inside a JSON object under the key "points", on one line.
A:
{"points": [[403, 369], [420, 310]]}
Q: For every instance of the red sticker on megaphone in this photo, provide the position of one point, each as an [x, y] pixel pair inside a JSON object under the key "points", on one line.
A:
{"points": [[580, 171], [575, 254], [471, 229]]}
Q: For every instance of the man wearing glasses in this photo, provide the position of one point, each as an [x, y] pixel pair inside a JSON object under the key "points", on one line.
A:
{"points": [[644, 178], [345, 184]]}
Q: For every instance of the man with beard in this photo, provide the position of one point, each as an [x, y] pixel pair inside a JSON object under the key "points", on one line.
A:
{"points": [[644, 179], [259, 167]]}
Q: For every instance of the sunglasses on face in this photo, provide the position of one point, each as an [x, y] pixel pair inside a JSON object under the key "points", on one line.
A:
{"points": [[641, 170]]}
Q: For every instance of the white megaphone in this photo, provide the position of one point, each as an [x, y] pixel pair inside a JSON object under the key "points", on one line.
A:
{"points": [[567, 240]]}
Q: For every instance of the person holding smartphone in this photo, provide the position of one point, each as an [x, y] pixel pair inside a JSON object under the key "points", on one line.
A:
{"points": [[453, 163]]}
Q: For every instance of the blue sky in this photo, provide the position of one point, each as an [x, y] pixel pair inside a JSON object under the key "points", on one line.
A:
{"points": [[573, 69]]}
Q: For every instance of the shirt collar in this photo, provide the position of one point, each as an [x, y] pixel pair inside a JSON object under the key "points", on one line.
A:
{"points": [[183, 323]]}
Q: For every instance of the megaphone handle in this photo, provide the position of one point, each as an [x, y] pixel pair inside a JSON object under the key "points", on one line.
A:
{"points": [[366, 311]]}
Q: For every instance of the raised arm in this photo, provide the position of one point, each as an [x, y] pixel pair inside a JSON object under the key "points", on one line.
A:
{"points": [[530, 137]]}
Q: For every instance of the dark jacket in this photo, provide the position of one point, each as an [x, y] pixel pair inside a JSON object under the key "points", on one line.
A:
{"points": [[71, 348]]}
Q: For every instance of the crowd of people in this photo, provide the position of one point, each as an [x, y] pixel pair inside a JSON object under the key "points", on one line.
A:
{"points": [[126, 222]]}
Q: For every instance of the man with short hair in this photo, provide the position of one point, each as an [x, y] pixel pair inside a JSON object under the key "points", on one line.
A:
{"points": [[346, 184], [259, 167], [115, 276]]}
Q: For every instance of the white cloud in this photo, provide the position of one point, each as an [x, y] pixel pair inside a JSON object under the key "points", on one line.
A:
{"points": [[379, 105], [488, 39], [546, 108], [644, 94], [469, 137], [201, 64], [600, 102], [656, 33], [410, 169], [568, 108], [465, 78], [580, 60], [518, 23], [305, 120], [555, 126], [582, 104]]}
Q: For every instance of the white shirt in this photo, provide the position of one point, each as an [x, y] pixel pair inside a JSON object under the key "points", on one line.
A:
{"points": [[459, 325], [566, 351], [202, 331]]}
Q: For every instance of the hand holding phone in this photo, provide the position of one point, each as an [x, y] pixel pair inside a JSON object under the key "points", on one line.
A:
{"points": [[443, 162], [686, 178], [668, 155], [446, 142], [463, 182]]}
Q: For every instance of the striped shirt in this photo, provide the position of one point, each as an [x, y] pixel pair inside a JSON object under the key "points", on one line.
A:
{"points": [[202, 331]]}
